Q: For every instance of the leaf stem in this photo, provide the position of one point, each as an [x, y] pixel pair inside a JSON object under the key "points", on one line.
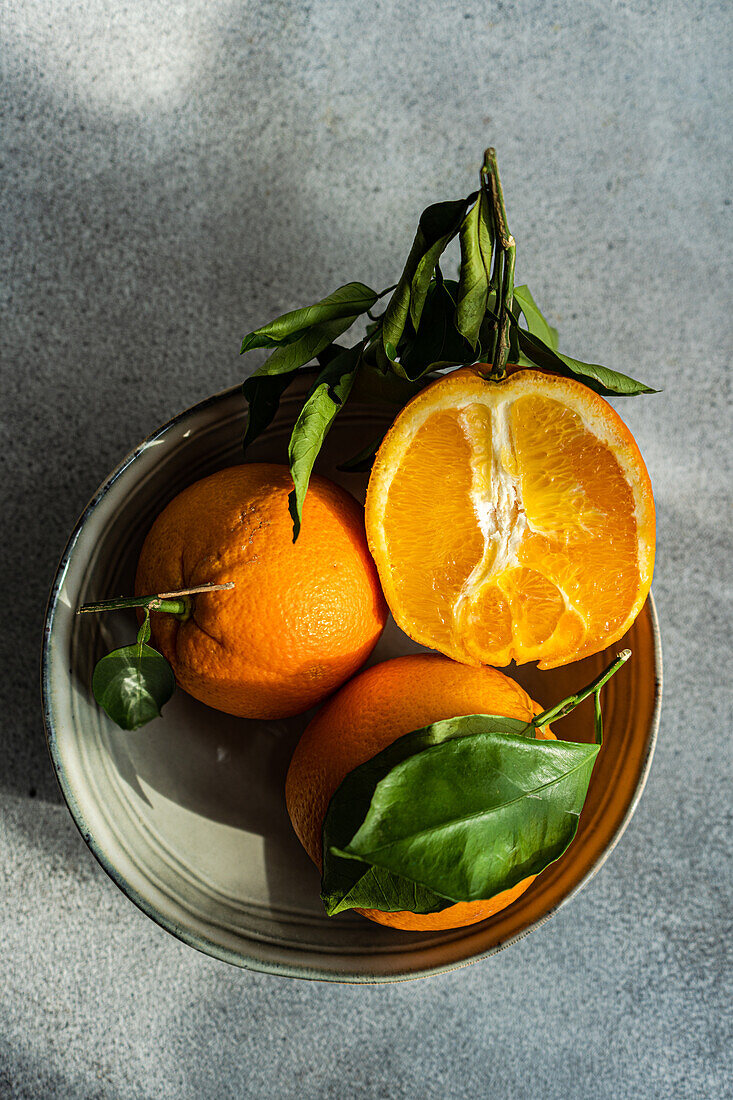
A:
{"points": [[143, 636], [379, 316], [565, 706], [173, 603]]}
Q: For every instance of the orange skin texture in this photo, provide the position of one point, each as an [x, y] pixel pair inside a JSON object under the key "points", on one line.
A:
{"points": [[302, 616], [368, 714]]}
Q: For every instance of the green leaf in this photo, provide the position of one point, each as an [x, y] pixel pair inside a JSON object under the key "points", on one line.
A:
{"points": [[438, 225], [475, 272], [470, 812], [330, 391], [536, 323], [263, 393], [392, 893], [609, 383], [132, 683], [348, 301], [308, 345], [485, 345], [329, 353], [348, 883], [437, 343]]}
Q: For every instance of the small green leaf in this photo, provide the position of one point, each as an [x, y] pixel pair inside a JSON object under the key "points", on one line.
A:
{"points": [[263, 393], [465, 808], [308, 345], [395, 894], [487, 332], [348, 301], [536, 323], [438, 225], [143, 634], [608, 383], [132, 683], [475, 272], [330, 391]]}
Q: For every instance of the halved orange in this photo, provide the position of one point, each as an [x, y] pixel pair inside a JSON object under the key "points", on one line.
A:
{"points": [[511, 520]]}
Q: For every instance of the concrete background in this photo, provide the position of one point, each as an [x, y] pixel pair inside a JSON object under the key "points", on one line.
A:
{"points": [[176, 173]]}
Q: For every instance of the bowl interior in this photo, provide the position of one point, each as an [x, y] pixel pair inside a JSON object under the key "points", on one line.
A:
{"points": [[187, 814]]}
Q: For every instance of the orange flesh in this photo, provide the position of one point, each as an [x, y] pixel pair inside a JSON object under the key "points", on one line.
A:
{"points": [[519, 525], [434, 482]]}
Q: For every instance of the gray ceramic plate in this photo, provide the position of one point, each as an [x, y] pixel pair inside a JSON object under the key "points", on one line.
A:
{"points": [[187, 814]]}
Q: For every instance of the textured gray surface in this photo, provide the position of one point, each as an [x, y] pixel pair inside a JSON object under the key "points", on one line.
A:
{"points": [[176, 173]]}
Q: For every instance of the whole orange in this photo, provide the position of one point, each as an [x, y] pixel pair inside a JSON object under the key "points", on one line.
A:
{"points": [[373, 710], [302, 617]]}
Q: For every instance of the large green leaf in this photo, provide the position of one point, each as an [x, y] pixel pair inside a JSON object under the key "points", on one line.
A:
{"points": [[464, 809], [132, 683], [350, 884], [475, 274], [438, 225], [609, 383], [348, 301], [330, 391]]}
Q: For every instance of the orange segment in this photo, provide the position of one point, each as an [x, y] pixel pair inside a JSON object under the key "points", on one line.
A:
{"points": [[435, 483], [512, 520]]}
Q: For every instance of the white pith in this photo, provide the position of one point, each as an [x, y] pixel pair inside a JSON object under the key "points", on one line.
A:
{"points": [[500, 511], [496, 495]]}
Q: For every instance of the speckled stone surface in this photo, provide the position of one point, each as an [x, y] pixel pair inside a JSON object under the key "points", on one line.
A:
{"points": [[175, 173]]}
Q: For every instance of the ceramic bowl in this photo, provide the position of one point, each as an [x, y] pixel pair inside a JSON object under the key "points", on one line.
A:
{"points": [[187, 814]]}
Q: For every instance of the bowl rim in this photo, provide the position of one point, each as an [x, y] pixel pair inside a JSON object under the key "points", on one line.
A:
{"points": [[200, 942]]}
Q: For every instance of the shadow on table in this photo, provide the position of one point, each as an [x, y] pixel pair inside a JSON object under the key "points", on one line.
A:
{"points": [[135, 277], [25, 1077]]}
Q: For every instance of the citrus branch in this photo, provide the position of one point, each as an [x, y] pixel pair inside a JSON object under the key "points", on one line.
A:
{"points": [[173, 603], [565, 706], [502, 277]]}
